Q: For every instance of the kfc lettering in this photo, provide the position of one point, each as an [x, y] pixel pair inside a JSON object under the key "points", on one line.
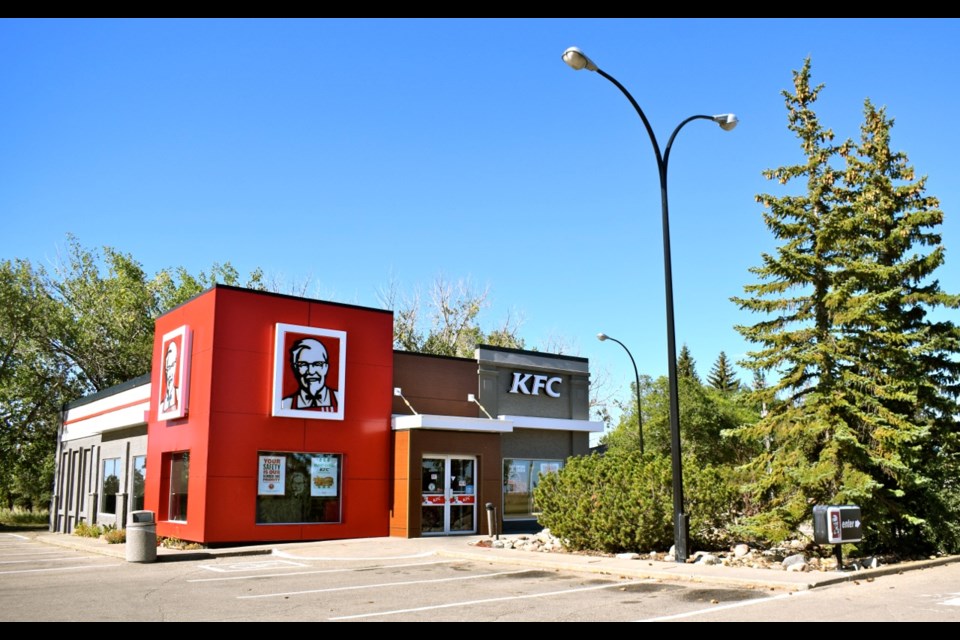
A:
{"points": [[546, 383]]}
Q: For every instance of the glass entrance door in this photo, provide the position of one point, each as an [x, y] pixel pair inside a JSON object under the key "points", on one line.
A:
{"points": [[448, 495]]}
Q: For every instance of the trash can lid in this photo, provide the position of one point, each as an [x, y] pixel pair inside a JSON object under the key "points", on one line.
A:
{"points": [[141, 516]]}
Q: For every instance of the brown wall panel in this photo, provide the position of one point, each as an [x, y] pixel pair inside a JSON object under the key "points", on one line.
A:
{"points": [[434, 384]]}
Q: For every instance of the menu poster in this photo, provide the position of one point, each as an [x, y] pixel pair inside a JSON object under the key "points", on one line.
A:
{"points": [[323, 476]]}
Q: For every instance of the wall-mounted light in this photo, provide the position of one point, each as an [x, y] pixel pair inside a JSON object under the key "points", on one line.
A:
{"points": [[397, 391], [472, 398]]}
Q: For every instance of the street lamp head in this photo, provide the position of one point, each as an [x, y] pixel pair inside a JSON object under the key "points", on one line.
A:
{"points": [[601, 337], [577, 60], [727, 121]]}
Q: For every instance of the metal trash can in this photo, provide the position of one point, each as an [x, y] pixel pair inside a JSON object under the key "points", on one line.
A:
{"points": [[141, 537]]}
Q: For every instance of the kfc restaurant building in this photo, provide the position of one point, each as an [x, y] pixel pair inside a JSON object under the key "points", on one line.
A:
{"points": [[270, 418]]}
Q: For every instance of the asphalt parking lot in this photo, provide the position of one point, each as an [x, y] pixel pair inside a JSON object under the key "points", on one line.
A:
{"points": [[52, 577]]}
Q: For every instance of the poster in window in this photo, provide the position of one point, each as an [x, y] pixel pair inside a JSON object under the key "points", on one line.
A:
{"points": [[309, 368], [518, 478], [173, 397], [549, 467], [272, 476], [323, 476]]}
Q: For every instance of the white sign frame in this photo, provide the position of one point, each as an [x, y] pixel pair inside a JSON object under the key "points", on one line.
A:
{"points": [[281, 363]]}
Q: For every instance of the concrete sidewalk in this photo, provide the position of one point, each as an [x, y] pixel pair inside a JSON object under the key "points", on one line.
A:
{"points": [[372, 550]]}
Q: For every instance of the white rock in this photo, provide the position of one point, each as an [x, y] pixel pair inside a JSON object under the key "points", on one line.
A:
{"points": [[741, 550], [628, 556], [795, 559]]}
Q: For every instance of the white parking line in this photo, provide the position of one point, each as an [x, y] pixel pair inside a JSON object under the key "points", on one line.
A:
{"points": [[308, 573], [952, 602], [47, 559], [285, 554], [467, 603], [383, 584], [27, 553], [89, 566], [256, 565], [745, 603]]}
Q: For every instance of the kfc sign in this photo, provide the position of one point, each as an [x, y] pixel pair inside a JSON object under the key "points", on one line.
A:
{"points": [[308, 372], [174, 394], [532, 384]]}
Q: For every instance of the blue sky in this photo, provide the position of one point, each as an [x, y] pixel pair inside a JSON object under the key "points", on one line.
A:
{"points": [[356, 152]]}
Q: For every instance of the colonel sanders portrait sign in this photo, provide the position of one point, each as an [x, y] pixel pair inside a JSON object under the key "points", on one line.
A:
{"points": [[308, 372], [173, 396]]}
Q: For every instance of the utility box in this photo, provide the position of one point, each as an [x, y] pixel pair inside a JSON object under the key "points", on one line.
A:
{"points": [[141, 537], [833, 524]]}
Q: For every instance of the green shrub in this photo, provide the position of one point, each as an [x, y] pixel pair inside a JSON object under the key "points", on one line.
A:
{"points": [[115, 536], [608, 503], [624, 502], [87, 530]]}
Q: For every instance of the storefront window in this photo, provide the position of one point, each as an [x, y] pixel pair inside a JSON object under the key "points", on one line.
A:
{"points": [[110, 485], [520, 478], [294, 488], [139, 476], [179, 482]]}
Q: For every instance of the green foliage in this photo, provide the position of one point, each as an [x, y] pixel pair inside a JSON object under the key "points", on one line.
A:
{"points": [[24, 517], [722, 376], [622, 502], [81, 328], [87, 530], [103, 315], [174, 286], [35, 381], [112, 535], [608, 503], [707, 416], [686, 365], [864, 408]]}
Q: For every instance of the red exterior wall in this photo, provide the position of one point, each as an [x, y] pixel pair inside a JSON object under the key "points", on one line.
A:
{"points": [[230, 420]]}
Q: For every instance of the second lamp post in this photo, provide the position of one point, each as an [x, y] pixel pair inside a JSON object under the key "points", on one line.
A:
{"points": [[601, 337]]}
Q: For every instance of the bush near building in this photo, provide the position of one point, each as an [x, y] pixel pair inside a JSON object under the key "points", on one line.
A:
{"points": [[623, 502]]}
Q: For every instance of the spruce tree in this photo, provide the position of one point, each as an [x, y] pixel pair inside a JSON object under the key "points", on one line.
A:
{"points": [[686, 365], [802, 459], [722, 377], [901, 365], [862, 412]]}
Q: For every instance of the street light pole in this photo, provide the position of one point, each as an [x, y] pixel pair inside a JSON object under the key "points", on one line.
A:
{"points": [[577, 60], [601, 337]]}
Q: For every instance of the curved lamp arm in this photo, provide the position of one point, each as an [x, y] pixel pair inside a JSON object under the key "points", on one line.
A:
{"points": [[601, 337]]}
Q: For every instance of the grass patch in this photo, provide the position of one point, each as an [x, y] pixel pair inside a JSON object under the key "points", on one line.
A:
{"points": [[17, 519]]}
